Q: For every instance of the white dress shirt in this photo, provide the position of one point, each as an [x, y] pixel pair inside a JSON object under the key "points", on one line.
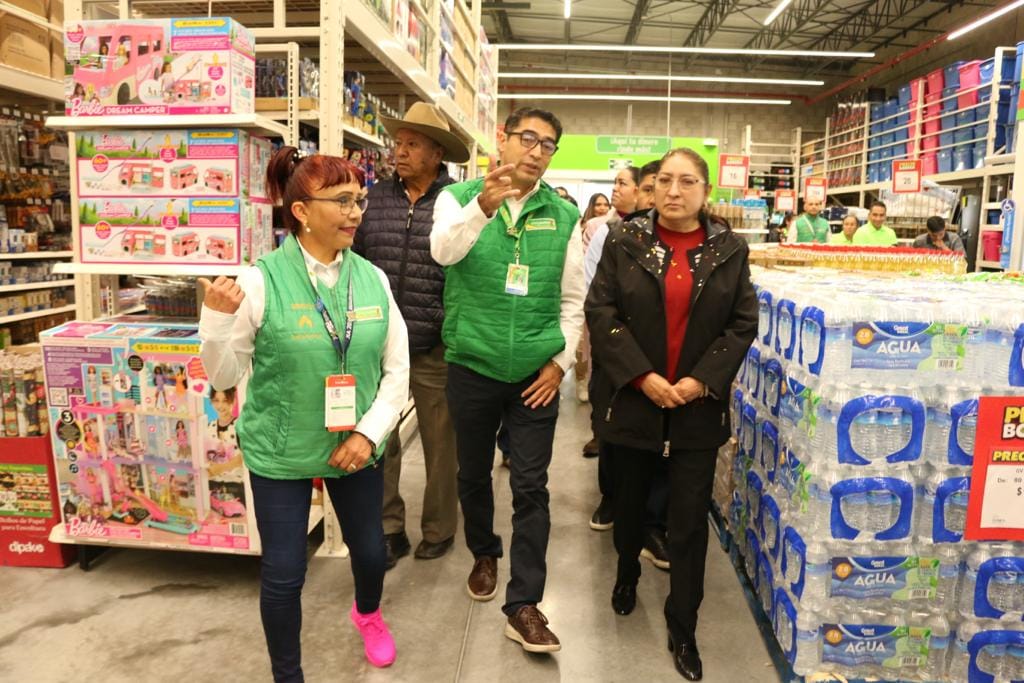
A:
{"points": [[228, 344], [594, 251], [456, 230]]}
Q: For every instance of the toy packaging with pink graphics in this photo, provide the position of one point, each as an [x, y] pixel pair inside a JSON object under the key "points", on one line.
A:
{"points": [[200, 65], [145, 450], [173, 196]]}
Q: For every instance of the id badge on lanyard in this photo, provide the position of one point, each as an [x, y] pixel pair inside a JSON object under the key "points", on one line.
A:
{"points": [[517, 279], [339, 389]]}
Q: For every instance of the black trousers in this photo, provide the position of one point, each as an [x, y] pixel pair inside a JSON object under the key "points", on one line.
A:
{"points": [[478, 404], [655, 519], [691, 476]]}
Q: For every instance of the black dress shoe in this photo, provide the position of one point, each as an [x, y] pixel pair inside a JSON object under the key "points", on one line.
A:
{"points": [[686, 658], [395, 546], [623, 598], [592, 449], [431, 551], [604, 516], [656, 549]]}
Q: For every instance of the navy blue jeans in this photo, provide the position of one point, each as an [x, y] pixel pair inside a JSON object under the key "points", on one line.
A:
{"points": [[282, 516]]}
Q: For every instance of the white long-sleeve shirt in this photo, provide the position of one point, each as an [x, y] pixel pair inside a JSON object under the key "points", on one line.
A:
{"points": [[456, 230], [228, 344]]}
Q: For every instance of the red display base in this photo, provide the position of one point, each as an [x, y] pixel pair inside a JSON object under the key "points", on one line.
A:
{"points": [[29, 505]]}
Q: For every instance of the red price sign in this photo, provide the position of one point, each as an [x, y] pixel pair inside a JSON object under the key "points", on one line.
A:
{"points": [[751, 193], [785, 200], [995, 508], [733, 170], [815, 189], [906, 176]]}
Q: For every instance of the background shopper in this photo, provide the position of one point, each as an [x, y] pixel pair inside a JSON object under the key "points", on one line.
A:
{"points": [[665, 363], [597, 206], [875, 233], [277, 319], [938, 238]]}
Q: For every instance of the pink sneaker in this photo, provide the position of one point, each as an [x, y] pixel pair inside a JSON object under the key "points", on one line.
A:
{"points": [[377, 640]]}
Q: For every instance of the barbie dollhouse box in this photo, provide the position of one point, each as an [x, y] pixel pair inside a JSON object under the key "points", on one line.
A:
{"points": [[173, 196], [145, 450], [201, 65]]}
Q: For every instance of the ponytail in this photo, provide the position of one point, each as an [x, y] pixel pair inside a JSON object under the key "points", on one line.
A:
{"points": [[291, 178]]}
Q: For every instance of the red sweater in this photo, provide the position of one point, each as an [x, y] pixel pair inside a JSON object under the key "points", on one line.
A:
{"points": [[678, 291]]}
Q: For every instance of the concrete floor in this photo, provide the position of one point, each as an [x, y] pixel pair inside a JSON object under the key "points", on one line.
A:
{"points": [[157, 616]]}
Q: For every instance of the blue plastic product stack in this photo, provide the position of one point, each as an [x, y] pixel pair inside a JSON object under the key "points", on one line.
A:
{"points": [[951, 74], [945, 160]]}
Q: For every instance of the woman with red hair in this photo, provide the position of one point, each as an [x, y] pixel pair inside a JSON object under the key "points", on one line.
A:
{"points": [[329, 357]]}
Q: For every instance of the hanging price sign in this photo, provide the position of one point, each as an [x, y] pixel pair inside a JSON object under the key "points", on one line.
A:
{"points": [[906, 176], [751, 193], [815, 189], [785, 200], [995, 508], [733, 170]]}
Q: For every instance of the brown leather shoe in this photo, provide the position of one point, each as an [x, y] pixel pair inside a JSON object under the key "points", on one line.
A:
{"points": [[529, 627], [483, 580]]}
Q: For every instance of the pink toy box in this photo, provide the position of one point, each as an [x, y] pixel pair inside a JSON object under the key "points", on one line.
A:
{"points": [[201, 65], [173, 196], [145, 451]]}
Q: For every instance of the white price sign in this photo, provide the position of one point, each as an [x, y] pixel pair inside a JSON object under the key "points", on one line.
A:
{"points": [[785, 200], [906, 176], [1003, 503], [815, 189], [733, 170]]}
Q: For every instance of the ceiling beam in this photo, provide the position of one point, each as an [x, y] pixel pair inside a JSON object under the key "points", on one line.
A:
{"points": [[714, 16], [499, 6], [502, 22], [639, 12]]}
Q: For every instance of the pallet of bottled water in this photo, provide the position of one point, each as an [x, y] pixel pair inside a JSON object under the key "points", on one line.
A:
{"points": [[855, 415]]}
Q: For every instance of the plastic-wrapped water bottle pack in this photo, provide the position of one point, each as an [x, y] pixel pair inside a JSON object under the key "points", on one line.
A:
{"points": [[855, 413]]}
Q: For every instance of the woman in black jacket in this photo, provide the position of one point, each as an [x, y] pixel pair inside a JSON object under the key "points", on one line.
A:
{"points": [[671, 313]]}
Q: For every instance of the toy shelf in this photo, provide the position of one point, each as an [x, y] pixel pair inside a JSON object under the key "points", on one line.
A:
{"points": [[36, 314], [34, 255], [159, 269], [252, 122], [26, 83], [46, 284]]}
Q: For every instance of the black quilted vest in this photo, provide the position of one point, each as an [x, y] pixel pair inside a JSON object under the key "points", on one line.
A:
{"points": [[395, 237]]}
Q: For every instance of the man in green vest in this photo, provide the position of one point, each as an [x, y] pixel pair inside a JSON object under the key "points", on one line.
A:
{"points": [[809, 226], [875, 233], [513, 298]]}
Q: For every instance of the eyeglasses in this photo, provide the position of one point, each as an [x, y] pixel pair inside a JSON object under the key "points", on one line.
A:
{"points": [[345, 202], [529, 140], [686, 182]]}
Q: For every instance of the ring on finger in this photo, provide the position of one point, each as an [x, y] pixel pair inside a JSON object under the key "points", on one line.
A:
{"points": [[352, 467]]}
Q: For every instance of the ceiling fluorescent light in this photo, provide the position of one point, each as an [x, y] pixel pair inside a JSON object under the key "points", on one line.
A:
{"points": [[568, 8], [985, 19], [783, 4], [638, 98], [655, 77], [729, 51]]}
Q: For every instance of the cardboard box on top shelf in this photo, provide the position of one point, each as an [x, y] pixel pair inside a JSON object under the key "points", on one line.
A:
{"points": [[24, 45], [57, 12], [37, 7]]}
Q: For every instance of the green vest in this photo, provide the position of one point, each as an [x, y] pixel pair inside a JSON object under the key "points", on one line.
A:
{"points": [[281, 429], [504, 336], [811, 229]]}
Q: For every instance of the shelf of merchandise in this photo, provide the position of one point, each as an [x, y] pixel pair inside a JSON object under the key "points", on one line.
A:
{"points": [[34, 255], [26, 286], [27, 83], [252, 122], [766, 155], [36, 314], [362, 136], [157, 269]]}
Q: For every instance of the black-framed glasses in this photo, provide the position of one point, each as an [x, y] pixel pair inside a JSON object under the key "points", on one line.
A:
{"points": [[345, 202], [529, 140]]}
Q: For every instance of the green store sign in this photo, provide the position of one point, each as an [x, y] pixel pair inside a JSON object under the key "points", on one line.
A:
{"points": [[632, 144]]}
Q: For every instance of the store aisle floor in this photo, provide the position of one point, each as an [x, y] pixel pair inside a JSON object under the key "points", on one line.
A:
{"points": [[143, 615]]}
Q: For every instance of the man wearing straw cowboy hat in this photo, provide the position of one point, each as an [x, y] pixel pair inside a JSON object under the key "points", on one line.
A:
{"points": [[395, 237]]}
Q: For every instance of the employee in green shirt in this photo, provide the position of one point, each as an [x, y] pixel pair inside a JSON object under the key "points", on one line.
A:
{"points": [[845, 238], [809, 226], [875, 233]]}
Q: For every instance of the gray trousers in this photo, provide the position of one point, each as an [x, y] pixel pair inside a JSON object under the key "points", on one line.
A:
{"points": [[428, 378]]}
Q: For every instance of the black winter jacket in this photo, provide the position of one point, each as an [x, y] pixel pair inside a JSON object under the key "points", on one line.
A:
{"points": [[625, 310], [395, 237]]}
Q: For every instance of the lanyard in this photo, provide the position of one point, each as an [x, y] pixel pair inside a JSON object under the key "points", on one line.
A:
{"points": [[340, 346], [511, 229]]}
